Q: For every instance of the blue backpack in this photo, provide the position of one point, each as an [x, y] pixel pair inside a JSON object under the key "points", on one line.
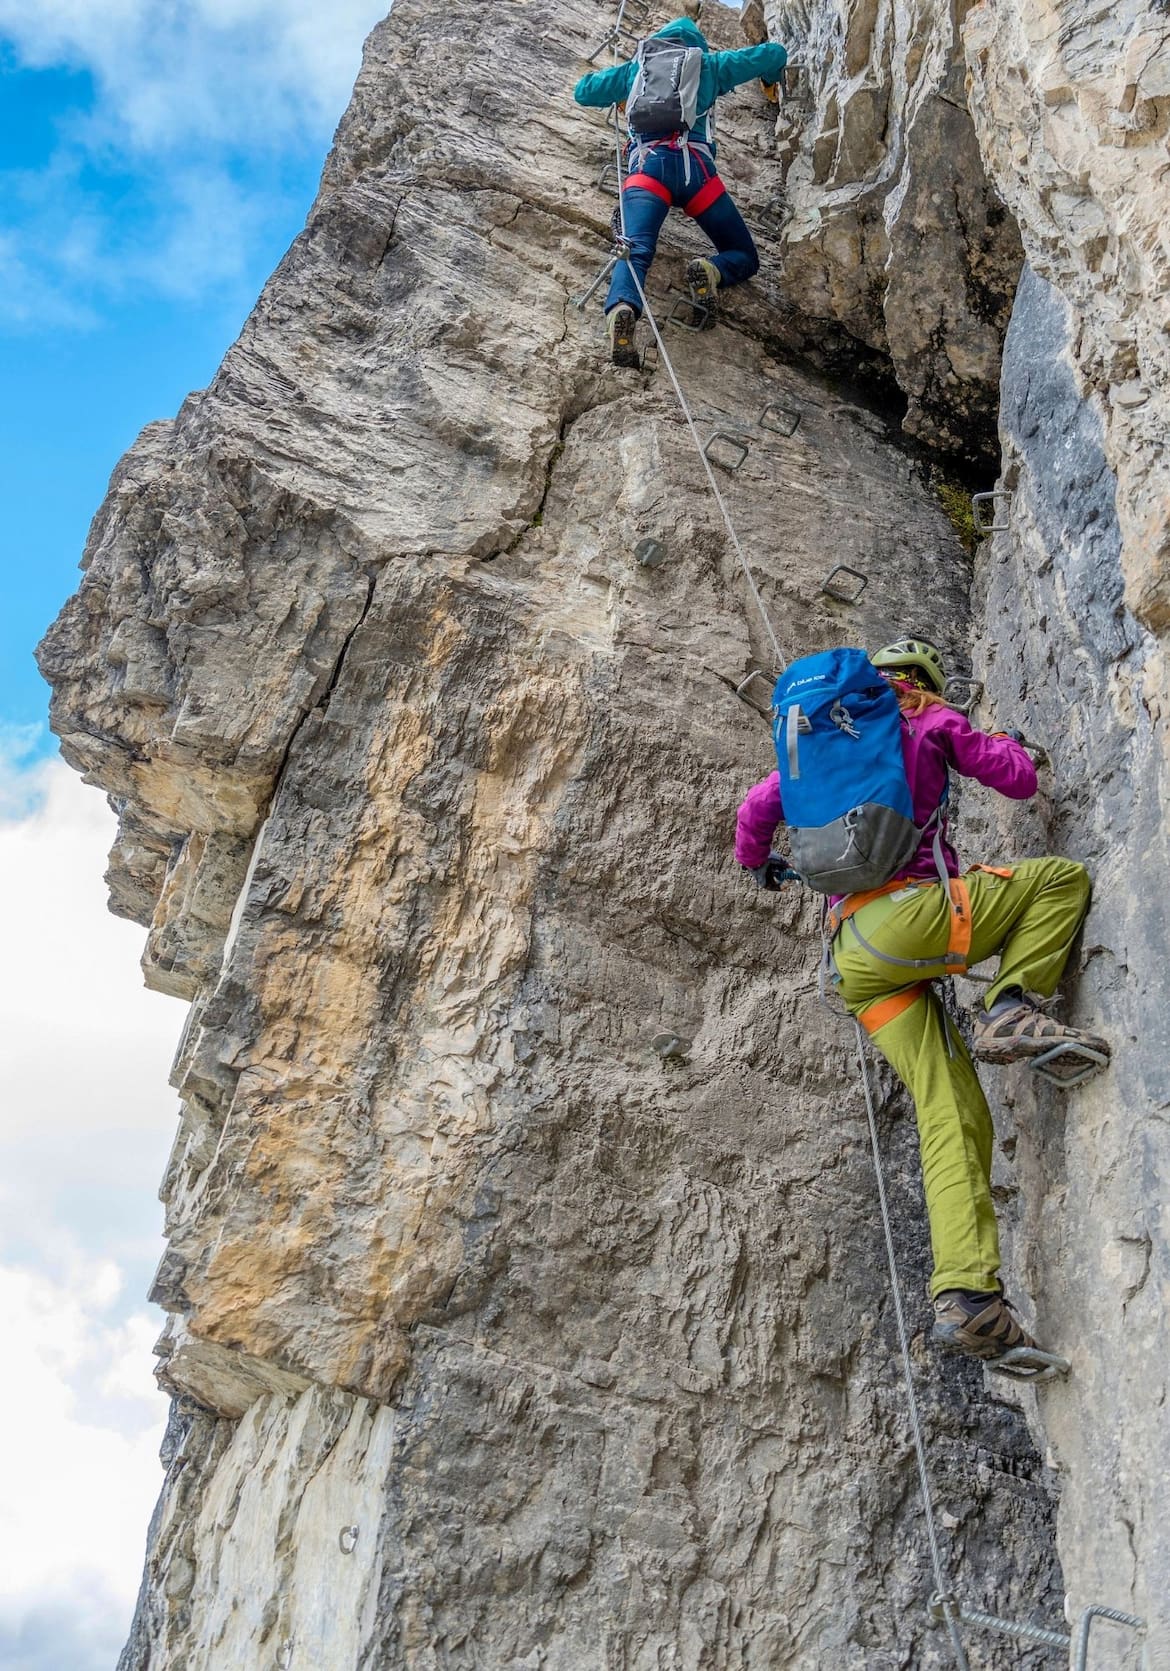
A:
{"points": [[847, 804]]}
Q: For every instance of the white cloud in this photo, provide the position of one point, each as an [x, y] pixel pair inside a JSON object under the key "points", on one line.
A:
{"points": [[84, 1056], [231, 71], [77, 1487], [185, 176]]}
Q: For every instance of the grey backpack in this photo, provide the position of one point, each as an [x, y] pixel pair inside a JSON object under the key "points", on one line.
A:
{"points": [[665, 95]]}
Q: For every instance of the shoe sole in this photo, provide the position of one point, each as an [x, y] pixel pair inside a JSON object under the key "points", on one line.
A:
{"points": [[702, 292], [1028, 1050], [1029, 1364], [625, 352]]}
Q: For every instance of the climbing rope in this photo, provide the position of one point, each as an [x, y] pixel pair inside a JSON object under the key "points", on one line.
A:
{"points": [[943, 1597], [664, 356]]}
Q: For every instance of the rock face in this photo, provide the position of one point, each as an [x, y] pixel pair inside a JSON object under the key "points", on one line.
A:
{"points": [[1072, 106], [1059, 645], [498, 1338], [889, 225]]}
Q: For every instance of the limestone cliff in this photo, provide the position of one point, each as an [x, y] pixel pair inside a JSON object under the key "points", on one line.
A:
{"points": [[498, 1338]]}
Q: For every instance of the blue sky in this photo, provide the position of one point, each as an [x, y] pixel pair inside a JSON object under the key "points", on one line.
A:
{"points": [[156, 160], [152, 172]]}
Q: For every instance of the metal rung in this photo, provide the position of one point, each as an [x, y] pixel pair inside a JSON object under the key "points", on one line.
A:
{"points": [[671, 1047], [977, 503], [742, 447], [783, 419], [1094, 1061], [756, 673], [610, 179], [973, 688], [1085, 1625], [1004, 1627], [839, 592], [650, 553], [702, 315], [650, 355], [1030, 1364]]}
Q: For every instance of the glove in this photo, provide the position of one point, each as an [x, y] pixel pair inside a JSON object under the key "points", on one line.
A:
{"points": [[771, 91], [1012, 736], [772, 874]]}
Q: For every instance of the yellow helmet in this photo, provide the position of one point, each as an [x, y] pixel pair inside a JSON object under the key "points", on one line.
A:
{"points": [[913, 652]]}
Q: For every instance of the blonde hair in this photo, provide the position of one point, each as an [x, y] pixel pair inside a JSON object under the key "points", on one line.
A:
{"points": [[912, 700]]}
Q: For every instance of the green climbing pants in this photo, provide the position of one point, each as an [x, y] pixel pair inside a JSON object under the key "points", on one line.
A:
{"points": [[1030, 919]]}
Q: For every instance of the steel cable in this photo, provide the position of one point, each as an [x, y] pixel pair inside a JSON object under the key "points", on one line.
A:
{"points": [[945, 1599]]}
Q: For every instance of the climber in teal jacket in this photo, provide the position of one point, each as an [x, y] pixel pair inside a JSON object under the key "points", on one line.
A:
{"points": [[677, 170]]}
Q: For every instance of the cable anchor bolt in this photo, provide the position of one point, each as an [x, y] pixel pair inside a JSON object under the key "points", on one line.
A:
{"points": [[670, 1047]]}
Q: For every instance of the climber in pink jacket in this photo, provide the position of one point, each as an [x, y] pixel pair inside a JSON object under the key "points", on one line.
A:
{"points": [[889, 945]]}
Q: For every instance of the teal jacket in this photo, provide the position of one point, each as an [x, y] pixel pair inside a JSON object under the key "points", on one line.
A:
{"points": [[720, 72]]}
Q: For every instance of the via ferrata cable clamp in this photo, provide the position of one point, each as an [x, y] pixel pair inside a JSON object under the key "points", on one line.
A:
{"points": [[619, 252], [622, 39]]}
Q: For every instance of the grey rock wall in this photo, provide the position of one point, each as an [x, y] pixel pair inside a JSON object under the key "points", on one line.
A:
{"points": [[1060, 649], [889, 224]]}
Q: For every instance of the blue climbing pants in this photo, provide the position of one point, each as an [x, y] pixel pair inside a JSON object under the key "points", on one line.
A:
{"points": [[650, 193]]}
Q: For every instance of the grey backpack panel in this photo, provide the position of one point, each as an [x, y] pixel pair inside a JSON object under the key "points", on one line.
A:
{"points": [[665, 96], [860, 851]]}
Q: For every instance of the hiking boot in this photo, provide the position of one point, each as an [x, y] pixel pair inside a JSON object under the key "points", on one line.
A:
{"points": [[1022, 1033], [703, 280], [981, 1325], [621, 323]]}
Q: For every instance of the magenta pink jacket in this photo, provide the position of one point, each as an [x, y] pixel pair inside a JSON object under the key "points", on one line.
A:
{"points": [[931, 742]]}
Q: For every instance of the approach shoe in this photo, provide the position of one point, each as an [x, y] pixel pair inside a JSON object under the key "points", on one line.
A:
{"points": [[981, 1325], [621, 322], [703, 280], [1023, 1032]]}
